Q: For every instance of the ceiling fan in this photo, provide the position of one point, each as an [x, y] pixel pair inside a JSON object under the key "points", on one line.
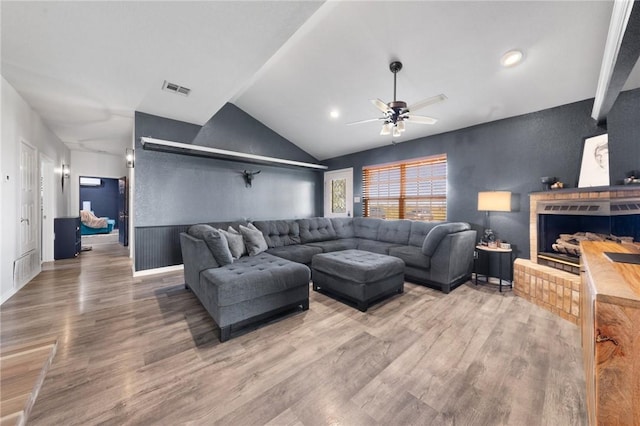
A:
{"points": [[397, 112]]}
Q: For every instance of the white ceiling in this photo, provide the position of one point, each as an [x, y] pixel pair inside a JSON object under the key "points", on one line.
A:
{"points": [[85, 67]]}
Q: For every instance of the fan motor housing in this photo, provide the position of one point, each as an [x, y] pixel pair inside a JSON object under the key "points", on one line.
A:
{"points": [[397, 105]]}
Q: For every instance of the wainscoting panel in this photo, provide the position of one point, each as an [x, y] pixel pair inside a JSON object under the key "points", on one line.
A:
{"points": [[159, 246]]}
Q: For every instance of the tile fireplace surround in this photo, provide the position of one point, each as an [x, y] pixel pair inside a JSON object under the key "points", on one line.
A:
{"points": [[552, 289]]}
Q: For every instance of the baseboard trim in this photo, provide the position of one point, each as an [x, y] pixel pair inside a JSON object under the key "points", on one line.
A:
{"points": [[155, 271]]}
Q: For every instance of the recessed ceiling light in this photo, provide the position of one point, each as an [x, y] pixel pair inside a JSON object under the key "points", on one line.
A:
{"points": [[334, 113], [511, 58]]}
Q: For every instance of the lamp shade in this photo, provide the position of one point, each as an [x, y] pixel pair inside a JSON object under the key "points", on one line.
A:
{"points": [[494, 201]]}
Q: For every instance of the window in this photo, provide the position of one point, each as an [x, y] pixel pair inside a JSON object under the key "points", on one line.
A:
{"points": [[414, 189]]}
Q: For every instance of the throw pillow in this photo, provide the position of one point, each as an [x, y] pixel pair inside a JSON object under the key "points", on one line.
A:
{"points": [[253, 239], [215, 240], [236, 243]]}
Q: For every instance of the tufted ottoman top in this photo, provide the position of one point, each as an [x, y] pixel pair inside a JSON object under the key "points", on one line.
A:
{"points": [[357, 265]]}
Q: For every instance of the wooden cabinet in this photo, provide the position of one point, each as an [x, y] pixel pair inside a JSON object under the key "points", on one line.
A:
{"points": [[67, 243], [611, 334]]}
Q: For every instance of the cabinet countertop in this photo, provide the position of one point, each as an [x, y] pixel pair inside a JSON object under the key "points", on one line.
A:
{"points": [[613, 282]]}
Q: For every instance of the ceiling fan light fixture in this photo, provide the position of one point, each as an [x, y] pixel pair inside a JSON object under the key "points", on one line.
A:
{"points": [[386, 129], [511, 58], [400, 126], [396, 132]]}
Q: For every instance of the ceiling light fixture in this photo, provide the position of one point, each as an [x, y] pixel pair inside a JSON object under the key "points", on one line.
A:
{"points": [[511, 58], [334, 113], [386, 129]]}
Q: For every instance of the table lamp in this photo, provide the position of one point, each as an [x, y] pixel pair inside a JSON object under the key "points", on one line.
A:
{"points": [[493, 201]]}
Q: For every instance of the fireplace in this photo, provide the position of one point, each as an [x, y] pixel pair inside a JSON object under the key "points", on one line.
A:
{"points": [[602, 218], [611, 210]]}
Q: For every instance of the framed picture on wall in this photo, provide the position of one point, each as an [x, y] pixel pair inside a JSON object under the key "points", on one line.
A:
{"points": [[594, 168]]}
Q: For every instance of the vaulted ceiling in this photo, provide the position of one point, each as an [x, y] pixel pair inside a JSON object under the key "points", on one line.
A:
{"points": [[85, 67]]}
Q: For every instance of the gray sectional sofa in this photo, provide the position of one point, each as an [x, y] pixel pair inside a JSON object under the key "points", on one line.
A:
{"points": [[436, 254], [439, 255]]}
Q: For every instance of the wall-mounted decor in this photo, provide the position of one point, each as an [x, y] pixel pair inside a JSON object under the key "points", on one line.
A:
{"points": [[594, 168], [248, 177]]}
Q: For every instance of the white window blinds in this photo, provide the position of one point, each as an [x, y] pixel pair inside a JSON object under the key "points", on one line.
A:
{"points": [[414, 189]]}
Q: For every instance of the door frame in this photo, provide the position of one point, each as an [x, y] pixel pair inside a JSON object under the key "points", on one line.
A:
{"points": [[47, 207], [328, 177], [32, 222]]}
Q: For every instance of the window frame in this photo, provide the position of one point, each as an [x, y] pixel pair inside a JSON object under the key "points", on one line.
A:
{"points": [[397, 189]]}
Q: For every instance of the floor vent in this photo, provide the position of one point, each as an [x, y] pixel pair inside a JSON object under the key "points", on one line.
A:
{"points": [[175, 88], [25, 268]]}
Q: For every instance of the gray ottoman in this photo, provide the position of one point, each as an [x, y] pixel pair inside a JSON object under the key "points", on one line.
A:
{"points": [[358, 276]]}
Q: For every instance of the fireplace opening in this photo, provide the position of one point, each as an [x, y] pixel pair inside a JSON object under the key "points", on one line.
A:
{"points": [[574, 218]]}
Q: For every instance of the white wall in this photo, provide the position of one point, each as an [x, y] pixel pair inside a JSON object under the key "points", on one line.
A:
{"points": [[20, 122], [93, 164]]}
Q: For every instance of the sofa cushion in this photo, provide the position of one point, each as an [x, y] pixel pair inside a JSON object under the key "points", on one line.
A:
{"points": [[279, 233], [419, 231], [394, 231], [439, 232], [343, 227], [296, 253], [235, 241], [253, 277], [316, 229], [412, 256], [253, 239], [336, 245], [215, 240], [376, 246], [366, 227]]}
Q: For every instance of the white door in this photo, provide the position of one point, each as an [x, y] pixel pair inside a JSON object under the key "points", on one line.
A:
{"points": [[28, 198], [47, 182], [338, 193]]}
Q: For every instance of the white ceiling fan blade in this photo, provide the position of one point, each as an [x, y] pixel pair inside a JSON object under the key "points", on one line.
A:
{"points": [[421, 119], [366, 121], [426, 102], [380, 105]]}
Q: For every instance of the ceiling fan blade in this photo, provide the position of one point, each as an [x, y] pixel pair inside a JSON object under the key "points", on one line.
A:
{"points": [[426, 102], [421, 119], [380, 105], [366, 121]]}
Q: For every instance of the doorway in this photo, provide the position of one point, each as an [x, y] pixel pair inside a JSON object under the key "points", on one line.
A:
{"points": [[106, 197], [338, 193]]}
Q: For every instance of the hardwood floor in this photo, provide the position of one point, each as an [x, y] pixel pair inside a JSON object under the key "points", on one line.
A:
{"points": [[143, 351]]}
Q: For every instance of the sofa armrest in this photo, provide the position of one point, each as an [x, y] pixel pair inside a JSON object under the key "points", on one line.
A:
{"points": [[453, 258], [438, 232], [196, 258]]}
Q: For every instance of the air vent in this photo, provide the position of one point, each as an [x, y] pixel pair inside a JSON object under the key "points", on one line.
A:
{"points": [[600, 207], [175, 88]]}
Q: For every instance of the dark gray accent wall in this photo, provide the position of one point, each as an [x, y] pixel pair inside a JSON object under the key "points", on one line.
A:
{"points": [[512, 154], [173, 190], [233, 129]]}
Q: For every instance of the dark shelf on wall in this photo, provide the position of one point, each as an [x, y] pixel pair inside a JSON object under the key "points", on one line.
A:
{"points": [[222, 154]]}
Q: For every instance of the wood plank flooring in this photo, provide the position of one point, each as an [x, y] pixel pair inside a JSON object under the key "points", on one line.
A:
{"points": [[143, 351], [22, 371]]}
